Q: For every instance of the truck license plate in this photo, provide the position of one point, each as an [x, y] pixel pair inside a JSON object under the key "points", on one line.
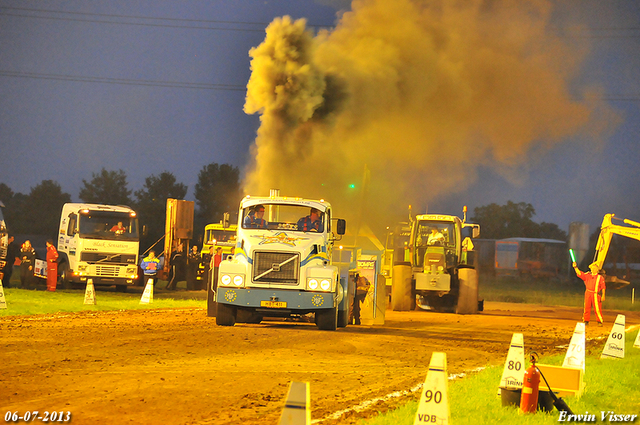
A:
{"points": [[273, 304]]}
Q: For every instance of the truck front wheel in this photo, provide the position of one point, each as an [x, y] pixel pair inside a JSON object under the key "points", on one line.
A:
{"points": [[225, 315], [327, 320]]}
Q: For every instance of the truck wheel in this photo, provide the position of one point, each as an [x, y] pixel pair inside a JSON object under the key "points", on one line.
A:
{"points": [[343, 318], [225, 315], [467, 292], [327, 320], [211, 302], [343, 307], [401, 289], [64, 276]]}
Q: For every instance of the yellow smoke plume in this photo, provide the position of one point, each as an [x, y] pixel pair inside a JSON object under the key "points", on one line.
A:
{"points": [[419, 93]]}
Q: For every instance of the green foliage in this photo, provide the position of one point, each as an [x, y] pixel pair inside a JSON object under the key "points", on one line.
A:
{"points": [[217, 192], [106, 187], [513, 220], [151, 203], [6, 194], [36, 213]]}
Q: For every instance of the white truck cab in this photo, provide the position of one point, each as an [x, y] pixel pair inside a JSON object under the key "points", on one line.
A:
{"points": [[282, 264], [98, 242]]}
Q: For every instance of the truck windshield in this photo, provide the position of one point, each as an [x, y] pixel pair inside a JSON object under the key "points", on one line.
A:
{"points": [[218, 236], [437, 233], [108, 225], [283, 217]]}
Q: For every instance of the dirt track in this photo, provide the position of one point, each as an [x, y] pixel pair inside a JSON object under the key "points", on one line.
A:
{"points": [[178, 367]]}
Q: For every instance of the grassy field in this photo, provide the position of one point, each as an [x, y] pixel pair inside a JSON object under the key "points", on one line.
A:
{"points": [[27, 302], [610, 386], [551, 292]]}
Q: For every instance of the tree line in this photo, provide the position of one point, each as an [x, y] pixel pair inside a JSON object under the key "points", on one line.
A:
{"points": [[513, 220], [216, 192]]}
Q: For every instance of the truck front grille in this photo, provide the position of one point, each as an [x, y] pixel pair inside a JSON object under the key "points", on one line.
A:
{"points": [[107, 271], [276, 267], [94, 257]]}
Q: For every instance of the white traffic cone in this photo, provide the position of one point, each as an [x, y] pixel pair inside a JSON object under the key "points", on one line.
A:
{"points": [[297, 409], [147, 295], [614, 348], [575, 352], [90, 293], [434, 401], [513, 373], [636, 344], [3, 301]]}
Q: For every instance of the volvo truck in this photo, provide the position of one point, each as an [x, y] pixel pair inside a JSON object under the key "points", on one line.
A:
{"points": [[98, 242], [282, 264]]}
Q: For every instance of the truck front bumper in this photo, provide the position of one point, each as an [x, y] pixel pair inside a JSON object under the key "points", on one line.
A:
{"points": [[270, 299]]}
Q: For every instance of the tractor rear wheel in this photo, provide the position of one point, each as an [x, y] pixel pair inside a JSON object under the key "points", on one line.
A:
{"points": [[402, 298]]}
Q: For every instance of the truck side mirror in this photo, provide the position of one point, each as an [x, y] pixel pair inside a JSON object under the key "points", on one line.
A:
{"points": [[144, 230], [475, 232], [341, 226]]}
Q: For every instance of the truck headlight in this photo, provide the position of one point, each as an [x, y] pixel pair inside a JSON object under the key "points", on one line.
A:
{"points": [[325, 285], [238, 280], [315, 284], [226, 279]]}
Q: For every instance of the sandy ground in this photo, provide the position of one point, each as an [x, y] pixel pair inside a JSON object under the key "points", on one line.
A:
{"points": [[178, 367]]}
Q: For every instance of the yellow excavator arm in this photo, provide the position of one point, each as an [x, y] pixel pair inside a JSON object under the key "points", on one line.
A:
{"points": [[607, 230]]}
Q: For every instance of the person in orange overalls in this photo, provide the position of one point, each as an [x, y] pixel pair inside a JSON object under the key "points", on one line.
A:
{"points": [[52, 266], [594, 291]]}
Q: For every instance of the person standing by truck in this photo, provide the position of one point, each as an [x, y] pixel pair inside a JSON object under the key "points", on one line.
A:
{"points": [[27, 261], [178, 265], [594, 291], [193, 262], [150, 266], [12, 253], [52, 266]]}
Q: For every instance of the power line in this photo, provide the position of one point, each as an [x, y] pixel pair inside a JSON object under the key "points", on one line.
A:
{"points": [[95, 21], [123, 81], [210, 86], [106, 15], [136, 16]]}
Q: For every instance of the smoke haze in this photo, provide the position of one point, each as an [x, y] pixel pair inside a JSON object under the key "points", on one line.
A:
{"points": [[407, 98]]}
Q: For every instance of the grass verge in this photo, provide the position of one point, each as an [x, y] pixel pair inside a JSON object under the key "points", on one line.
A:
{"points": [[22, 302], [552, 292], [611, 386]]}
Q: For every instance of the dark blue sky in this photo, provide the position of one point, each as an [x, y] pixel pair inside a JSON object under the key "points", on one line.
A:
{"points": [[86, 85]]}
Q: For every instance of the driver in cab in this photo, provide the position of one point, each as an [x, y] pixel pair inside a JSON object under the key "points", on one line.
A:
{"points": [[312, 222], [435, 238], [118, 229], [254, 219]]}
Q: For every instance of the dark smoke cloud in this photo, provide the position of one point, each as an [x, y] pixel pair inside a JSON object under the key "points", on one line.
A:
{"points": [[419, 94]]}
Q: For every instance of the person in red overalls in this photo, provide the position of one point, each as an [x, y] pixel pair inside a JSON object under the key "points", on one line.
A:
{"points": [[215, 265], [594, 292], [52, 266]]}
